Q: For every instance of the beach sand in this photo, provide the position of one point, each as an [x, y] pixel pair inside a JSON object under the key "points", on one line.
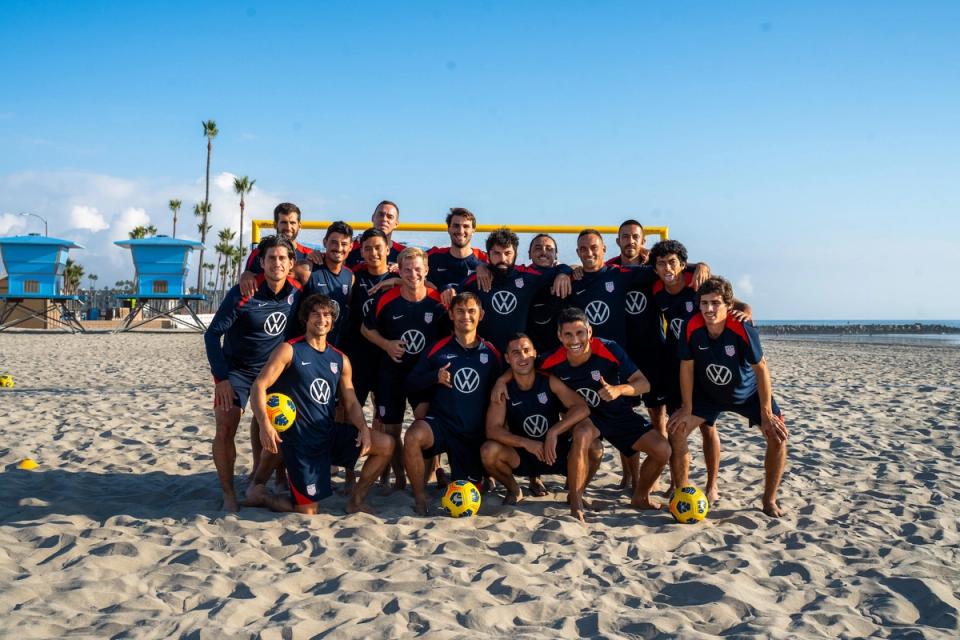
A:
{"points": [[117, 532]]}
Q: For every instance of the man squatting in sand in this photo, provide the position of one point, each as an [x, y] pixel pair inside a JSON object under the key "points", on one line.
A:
{"points": [[313, 373], [541, 427], [722, 368], [250, 328]]}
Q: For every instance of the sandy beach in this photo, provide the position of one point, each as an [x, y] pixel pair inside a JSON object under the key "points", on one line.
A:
{"points": [[117, 532]]}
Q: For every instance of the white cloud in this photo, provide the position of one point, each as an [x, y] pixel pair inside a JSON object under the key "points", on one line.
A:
{"points": [[744, 285], [94, 210], [84, 217], [11, 224]]}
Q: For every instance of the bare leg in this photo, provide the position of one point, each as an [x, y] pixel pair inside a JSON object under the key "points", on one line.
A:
{"points": [[658, 419], [773, 464], [680, 457], [255, 492], [255, 444], [537, 488], [711, 455], [225, 454], [393, 430], [658, 454], [379, 456], [419, 437], [578, 465], [499, 461]]}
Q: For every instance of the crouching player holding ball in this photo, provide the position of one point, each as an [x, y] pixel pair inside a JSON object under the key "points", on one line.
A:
{"points": [[722, 368], [313, 373]]}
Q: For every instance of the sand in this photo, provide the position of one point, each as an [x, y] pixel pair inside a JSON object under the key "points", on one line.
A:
{"points": [[117, 532]]}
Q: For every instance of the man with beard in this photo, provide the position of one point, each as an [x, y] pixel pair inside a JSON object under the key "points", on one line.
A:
{"points": [[331, 278], [286, 222], [451, 265], [507, 304]]}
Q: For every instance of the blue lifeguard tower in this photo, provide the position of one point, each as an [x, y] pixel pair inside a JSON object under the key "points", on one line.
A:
{"points": [[161, 274], [35, 268]]}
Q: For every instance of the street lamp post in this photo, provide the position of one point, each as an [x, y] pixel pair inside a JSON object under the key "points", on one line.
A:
{"points": [[42, 219]]}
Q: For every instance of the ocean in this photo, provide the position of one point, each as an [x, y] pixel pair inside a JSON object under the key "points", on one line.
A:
{"points": [[911, 339]]}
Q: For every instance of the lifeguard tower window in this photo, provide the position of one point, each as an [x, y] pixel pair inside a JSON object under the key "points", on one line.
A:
{"points": [[31, 286], [159, 286]]}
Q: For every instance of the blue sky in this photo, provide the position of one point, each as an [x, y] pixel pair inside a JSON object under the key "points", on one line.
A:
{"points": [[798, 148]]}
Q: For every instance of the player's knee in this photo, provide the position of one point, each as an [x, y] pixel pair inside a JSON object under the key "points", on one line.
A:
{"points": [[659, 448], [489, 453], [585, 433], [382, 443], [416, 436], [596, 449]]}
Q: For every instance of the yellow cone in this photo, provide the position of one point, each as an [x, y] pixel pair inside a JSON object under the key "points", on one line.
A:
{"points": [[28, 464]]}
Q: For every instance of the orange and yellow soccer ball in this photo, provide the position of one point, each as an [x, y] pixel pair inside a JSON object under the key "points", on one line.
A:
{"points": [[281, 411], [689, 505], [461, 500]]}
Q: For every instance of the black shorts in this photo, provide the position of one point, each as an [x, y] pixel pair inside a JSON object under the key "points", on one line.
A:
{"points": [[651, 365], [308, 466], [710, 410], [463, 451], [241, 380], [530, 466], [622, 431], [392, 396]]}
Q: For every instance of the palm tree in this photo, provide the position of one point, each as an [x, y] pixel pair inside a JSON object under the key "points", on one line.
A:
{"points": [[226, 237], [143, 232], [202, 210], [210, 132], [242, 186], [175, 207], [72, 275]]}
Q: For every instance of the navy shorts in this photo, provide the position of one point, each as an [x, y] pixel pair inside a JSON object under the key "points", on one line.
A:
{"points": [[710, 410], [241, 380], [650, 363], [463, 451], [530, 466], [392, 396], [308, 466], [622, 431]]}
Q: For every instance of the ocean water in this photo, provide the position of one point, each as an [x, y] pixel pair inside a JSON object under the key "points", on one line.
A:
{"points": [[928, 339]]}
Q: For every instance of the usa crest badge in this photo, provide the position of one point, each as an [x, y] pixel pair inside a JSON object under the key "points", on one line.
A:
{"points": [[542, 397], [595, 374], [689, 306], [428, 317], [334, 367], [346, 289], [519, 283], [290, 299], [484, 358], [609, 286], [730, 350]]}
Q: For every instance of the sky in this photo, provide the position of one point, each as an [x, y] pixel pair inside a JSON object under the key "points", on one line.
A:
{"points": [[810, 152]]}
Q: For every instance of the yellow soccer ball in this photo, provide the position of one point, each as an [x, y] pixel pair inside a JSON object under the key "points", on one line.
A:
{"points": [[281, 411], [689, 505], [461, 500], [6, 381]]}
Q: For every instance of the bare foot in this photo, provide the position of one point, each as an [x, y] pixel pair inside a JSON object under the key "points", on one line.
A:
{"points": [[537, 488], [354, 507], [626, 482], [230, 503], [576, 508], [772, 509], [487, 484], [513, 498], [713, 494], [442, 481], [256, 496], [645, 503], [420, 506]]}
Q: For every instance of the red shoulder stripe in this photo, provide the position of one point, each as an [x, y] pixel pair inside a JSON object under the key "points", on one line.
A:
{"points": [[688, 279], [260, 280], [431, 293], [658, 286], [555, 358], [396, 246], [302, 248], [494, 349], [737, 327], [296, 340], [385, 299], [531, 270], [597, 347], [440, 344], [437, 250], [480, 255], [695, 322], [470, 279]]}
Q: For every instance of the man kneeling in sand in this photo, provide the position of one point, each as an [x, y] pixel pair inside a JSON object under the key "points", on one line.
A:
{"points": [[541, 427], [722, 368], [312, 372]]}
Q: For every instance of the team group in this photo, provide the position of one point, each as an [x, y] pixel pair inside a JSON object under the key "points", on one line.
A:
{"points": [[509, 370]]}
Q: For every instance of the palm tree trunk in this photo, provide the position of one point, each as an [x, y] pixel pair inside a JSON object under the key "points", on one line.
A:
{"points": [[206, 208], [216, 277], [241, 237]]}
